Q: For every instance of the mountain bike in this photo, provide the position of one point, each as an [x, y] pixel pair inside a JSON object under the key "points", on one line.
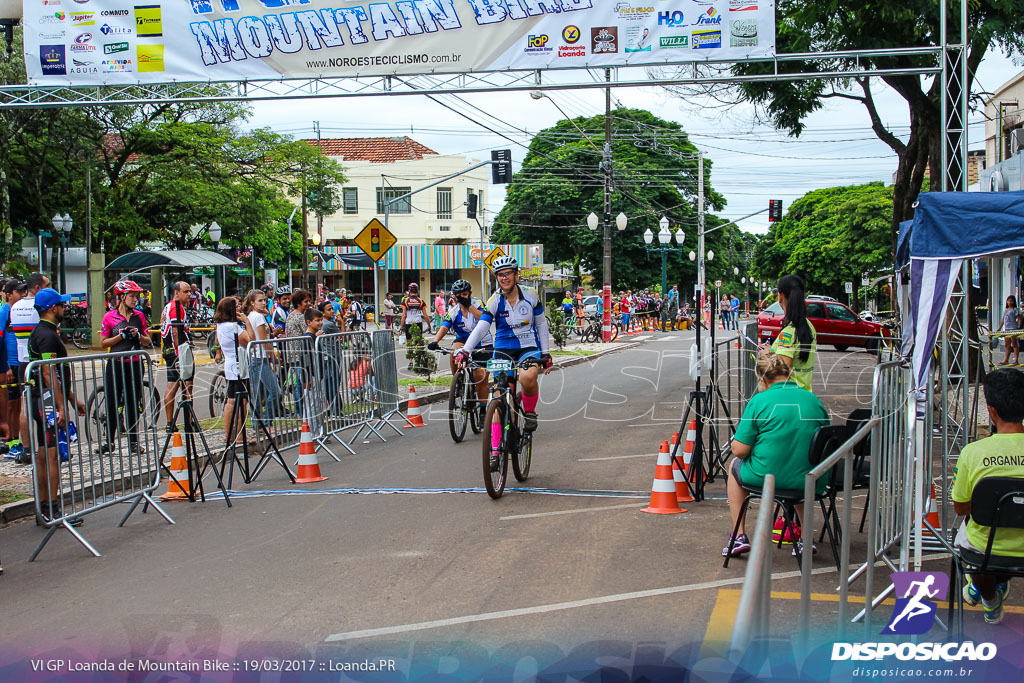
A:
{"points": [[506, 409], [594, 331], [462, 400], [96, 411]]}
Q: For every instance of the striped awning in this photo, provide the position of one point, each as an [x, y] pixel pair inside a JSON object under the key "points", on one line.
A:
{"points": [[432, 256]]}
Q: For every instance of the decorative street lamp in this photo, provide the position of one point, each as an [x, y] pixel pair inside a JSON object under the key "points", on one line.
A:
{"points": [[594, 222], [62, 230], [215, 233], [665, 239]]}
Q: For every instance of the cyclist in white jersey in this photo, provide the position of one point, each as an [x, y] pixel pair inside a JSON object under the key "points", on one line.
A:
{"points": [[462, 319], [520, 331]]}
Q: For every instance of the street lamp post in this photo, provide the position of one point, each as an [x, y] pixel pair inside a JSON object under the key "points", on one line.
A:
{"points": [[314, 239], [62, 230], [8, 240], [606, 294], [664, 239], [215, 233]]}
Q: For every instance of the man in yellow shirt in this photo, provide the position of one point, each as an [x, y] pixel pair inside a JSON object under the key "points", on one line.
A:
{"points": [[999, 455]]}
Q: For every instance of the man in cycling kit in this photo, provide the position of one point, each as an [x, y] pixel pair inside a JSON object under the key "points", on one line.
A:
{"points": [[521, 331], [279, 314], [462, 319]]}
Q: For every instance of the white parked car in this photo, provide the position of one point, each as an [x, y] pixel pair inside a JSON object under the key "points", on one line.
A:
{"points": [[590, 304]]}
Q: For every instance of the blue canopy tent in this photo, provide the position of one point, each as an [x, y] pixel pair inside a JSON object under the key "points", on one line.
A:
{"points": [[949, 228]]}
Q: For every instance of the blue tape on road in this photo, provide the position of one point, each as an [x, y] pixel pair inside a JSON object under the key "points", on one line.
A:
{"points": [[411, 491]]}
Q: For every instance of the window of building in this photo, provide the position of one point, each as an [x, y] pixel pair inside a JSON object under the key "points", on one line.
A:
{"points": [[445, 228], [444, 203], [386, 193], [350, 200]]}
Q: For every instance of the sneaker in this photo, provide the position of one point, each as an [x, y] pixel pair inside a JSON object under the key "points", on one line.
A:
{"points": [[58, 513], [798, 549], [972, 596], [994, 613], [740, 546], [495, 461], [21, 457], [788, 534], [530, 421]]}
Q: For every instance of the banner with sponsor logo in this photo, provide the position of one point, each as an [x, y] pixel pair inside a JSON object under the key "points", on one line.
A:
{"points": [[95, 42]]}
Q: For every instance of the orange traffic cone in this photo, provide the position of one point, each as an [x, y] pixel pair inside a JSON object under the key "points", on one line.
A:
{"points": [[663, 491], [736, 345], [932, 515], [414, 410], [178, 488], [691, 443], [309, 468], [682, 487]]}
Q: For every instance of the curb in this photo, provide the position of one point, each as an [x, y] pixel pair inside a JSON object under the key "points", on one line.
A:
{"points": [[442, 395]]}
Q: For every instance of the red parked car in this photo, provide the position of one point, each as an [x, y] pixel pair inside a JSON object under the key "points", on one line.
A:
{"points": [[835, 323]]}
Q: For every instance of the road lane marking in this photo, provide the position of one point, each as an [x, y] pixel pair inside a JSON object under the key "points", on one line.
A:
{"points": [[619, 457], [555, 607], [573, 512]]}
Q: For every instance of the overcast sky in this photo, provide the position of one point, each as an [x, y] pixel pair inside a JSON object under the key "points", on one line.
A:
{"points": [[752, 163]]}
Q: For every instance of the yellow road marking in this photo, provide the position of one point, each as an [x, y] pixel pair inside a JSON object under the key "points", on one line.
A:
{"points": [[723, 615]]}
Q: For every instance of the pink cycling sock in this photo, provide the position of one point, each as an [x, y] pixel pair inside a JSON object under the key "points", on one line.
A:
{"points": [[530, 403], [495, 435]]}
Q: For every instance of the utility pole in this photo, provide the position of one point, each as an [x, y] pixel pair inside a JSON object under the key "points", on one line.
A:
{"points": [[305, 243], [701, 275], [319, 223], [606, 322]]}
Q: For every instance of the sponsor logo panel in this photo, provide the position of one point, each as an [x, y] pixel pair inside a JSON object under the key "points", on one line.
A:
{"points": [[674, 18], [742, 5], [148, 22], [122, 65], [114, 48], [604, 40], [638, 39], [53, 60], [743, 33], [537, 44], [672, 42], [702, 40], [150, 57], [109, 30]]}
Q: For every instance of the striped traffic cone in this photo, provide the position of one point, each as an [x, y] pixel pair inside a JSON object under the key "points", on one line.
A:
{"points": [[691, 443], [663, 491], [414, 410], [736, 344], [309, 468], [682, 487], [178, 487], [932, 515]]}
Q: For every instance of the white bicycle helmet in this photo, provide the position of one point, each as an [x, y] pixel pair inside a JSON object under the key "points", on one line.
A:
{"points": [[504, 263]]}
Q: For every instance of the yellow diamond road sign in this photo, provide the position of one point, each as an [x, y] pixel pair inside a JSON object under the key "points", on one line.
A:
{"points": [[495, 254], [375, 240]]}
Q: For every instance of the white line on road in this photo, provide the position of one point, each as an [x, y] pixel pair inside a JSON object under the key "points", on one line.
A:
{"points": [[643, 337], [619, 457], [573, 512], [555, 607]]}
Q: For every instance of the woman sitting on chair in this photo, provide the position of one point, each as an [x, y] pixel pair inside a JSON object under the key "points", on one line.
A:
{"points": [[773, 437]]}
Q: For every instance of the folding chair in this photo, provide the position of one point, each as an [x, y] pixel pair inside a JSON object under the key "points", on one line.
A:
{"points": [[826, 440], [998, 503]]}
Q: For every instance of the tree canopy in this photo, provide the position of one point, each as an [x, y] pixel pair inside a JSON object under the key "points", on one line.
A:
{"points": [[159, 173], [829, 237], [654, 172]]}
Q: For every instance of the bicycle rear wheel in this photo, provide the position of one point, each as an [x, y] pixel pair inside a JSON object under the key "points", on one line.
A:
{"points": [[96, 416], [457, 415], [80, 338], [218, 394], [496, 467]]}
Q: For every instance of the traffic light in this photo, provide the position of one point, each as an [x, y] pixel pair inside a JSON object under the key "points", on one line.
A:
{"points": [[501, 170], [774, 210], [375, 239], [471, 204]]}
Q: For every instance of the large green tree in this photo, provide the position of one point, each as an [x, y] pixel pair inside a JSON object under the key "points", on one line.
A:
{"points": [[830, 236], [654, 174], [838, 25]]}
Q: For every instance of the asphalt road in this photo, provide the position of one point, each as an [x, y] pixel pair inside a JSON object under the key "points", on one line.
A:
{"points": [[420, 574]]}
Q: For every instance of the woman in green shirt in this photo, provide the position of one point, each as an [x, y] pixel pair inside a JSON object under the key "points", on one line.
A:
{"points": [[773, 437], [797, 342]]}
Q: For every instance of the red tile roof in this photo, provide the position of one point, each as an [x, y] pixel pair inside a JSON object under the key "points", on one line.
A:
{"points": [[374, 150]]}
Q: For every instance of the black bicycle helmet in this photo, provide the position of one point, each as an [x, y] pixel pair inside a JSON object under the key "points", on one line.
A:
{"points": [[461, 286]]}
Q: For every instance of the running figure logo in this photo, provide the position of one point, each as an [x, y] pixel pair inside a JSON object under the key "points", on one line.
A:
{"points": [[914, 613]]}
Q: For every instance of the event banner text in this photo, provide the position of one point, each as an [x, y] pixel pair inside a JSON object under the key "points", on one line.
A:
{"points": [[96, 42]]}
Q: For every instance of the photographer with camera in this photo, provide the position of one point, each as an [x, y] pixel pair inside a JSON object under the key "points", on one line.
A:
{"points": [[124, 329]]}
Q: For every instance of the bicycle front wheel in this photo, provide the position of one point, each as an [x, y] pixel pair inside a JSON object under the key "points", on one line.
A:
{"points": [[457, 415], [80, 338], [96, 416], [495, 456], [218, 394]]}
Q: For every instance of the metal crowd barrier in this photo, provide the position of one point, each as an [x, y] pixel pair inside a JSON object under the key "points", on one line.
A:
{"points": [[287, 389], [349, 384], [78, 477], [846, 454], [752, 615], [889, 496], [385, 371]]}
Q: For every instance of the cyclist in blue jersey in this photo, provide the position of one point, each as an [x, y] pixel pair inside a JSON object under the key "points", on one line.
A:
{"points": [[521, 331], [462, 319]]}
